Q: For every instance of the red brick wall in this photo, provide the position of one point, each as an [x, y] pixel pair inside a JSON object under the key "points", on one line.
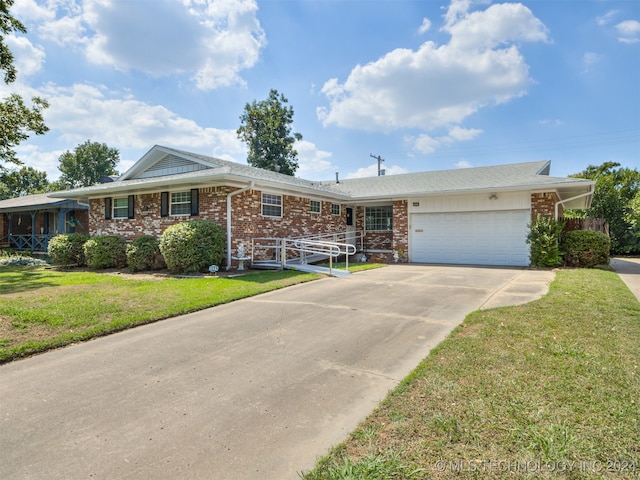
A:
{"points": [[389, 241], [544, 204], [246, 215], [401, 229]]}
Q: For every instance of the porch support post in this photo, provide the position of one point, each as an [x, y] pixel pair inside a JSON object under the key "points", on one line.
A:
{"points": [[62, 213], [34, 214]]}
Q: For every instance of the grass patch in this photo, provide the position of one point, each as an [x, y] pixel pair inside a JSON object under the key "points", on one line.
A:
{"points": [[354, 266], [42, 308], [543, 390]]}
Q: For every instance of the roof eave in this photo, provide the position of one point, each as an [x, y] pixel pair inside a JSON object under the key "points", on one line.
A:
{"points": [[218, 179]]}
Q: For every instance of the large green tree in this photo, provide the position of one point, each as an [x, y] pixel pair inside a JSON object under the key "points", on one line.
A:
{"points": [[615, 200], [266, 129], [17, 119], [24, 181], [87, 164]]}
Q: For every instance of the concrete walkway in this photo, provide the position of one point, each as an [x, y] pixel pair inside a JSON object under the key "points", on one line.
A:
{"points": [[629, 271], [256, 389]]}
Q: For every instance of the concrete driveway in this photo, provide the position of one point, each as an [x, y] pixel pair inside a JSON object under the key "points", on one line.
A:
{"points": [[255, 389], [628, 269]]}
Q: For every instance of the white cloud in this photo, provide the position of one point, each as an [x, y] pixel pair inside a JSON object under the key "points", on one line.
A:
{"points": [[463, 164], [46, 161], [551, 122], [628, 31], [212, 41], [589, 59], [28, 58], [499, 24], [426, 25], [607, 18], [439, 85], [372, 171], [464, 134], [426, 144], [84, 112], [314, 164]]}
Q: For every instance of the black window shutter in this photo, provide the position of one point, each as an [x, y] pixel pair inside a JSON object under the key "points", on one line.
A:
{"points": [[107, 208], [195, 202], [131, 205], [164, 204]]}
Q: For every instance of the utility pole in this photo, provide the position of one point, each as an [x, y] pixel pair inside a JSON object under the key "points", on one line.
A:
{"points": [[380, 160]]}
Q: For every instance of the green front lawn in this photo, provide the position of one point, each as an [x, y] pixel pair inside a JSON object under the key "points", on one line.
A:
{"points": [[550, 389], [43, 308]]}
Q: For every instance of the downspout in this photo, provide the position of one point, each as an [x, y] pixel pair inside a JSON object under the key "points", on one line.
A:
{"points": [[229, 195], [590, 192]]}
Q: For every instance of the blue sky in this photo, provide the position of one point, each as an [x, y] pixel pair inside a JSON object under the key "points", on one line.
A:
{"points": [[427, 85]]}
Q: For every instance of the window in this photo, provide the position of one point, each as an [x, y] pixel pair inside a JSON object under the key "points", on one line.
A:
{"points": [[120, 207], [271, 205], [335, 209], [181, 203], [379, 218], [314, 206]]}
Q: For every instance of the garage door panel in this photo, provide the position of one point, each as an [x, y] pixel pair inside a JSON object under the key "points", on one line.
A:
{"points": [[481, 238]]}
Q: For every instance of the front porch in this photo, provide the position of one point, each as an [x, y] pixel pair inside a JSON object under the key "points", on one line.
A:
{"points": [[28, 223]]}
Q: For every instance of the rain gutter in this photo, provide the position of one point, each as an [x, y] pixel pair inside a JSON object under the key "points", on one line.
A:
{"points": [[229, 196], [592, 189]]}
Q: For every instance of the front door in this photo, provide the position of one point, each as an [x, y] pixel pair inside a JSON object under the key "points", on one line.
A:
{"points": [[351, 226]]}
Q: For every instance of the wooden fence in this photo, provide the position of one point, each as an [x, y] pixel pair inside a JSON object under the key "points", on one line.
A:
{"points": [[595, 224]]}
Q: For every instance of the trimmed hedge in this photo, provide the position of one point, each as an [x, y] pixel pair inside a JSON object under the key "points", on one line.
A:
{"points": [[192, 246], [105, 251], [144, 254], [586, 248], [68, 249]]}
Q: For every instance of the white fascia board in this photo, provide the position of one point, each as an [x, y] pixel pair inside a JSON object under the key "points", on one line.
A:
{"points": [[158, 184]]}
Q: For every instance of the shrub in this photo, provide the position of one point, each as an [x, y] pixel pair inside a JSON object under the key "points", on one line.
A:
{"points": [[585, 248], [144, 254], [68, 249], [21, 261], [192, 246], [544, 238], [105, 251]]}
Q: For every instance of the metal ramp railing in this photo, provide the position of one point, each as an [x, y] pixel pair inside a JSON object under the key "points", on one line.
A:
{"points": [[299, 254]]}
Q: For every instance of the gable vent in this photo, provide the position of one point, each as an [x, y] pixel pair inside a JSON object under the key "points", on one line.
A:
{"points": [[170, 165]]}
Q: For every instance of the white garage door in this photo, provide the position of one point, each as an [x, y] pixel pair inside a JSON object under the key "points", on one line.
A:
{"points": [[474, 238]]}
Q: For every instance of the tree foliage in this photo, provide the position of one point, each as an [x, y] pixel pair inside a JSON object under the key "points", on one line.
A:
{"points": [[614, 199], [266, 129], [87, 164], [25, 181], [16, 118], [8, 24]]}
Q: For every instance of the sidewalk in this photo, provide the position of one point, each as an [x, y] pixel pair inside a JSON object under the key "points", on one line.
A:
{"points": [[629, 271]]}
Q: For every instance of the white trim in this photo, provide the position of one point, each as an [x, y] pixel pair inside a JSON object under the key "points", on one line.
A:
{"points": [[113, 208], [171, 203], [319, 202], [262, 205]]}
